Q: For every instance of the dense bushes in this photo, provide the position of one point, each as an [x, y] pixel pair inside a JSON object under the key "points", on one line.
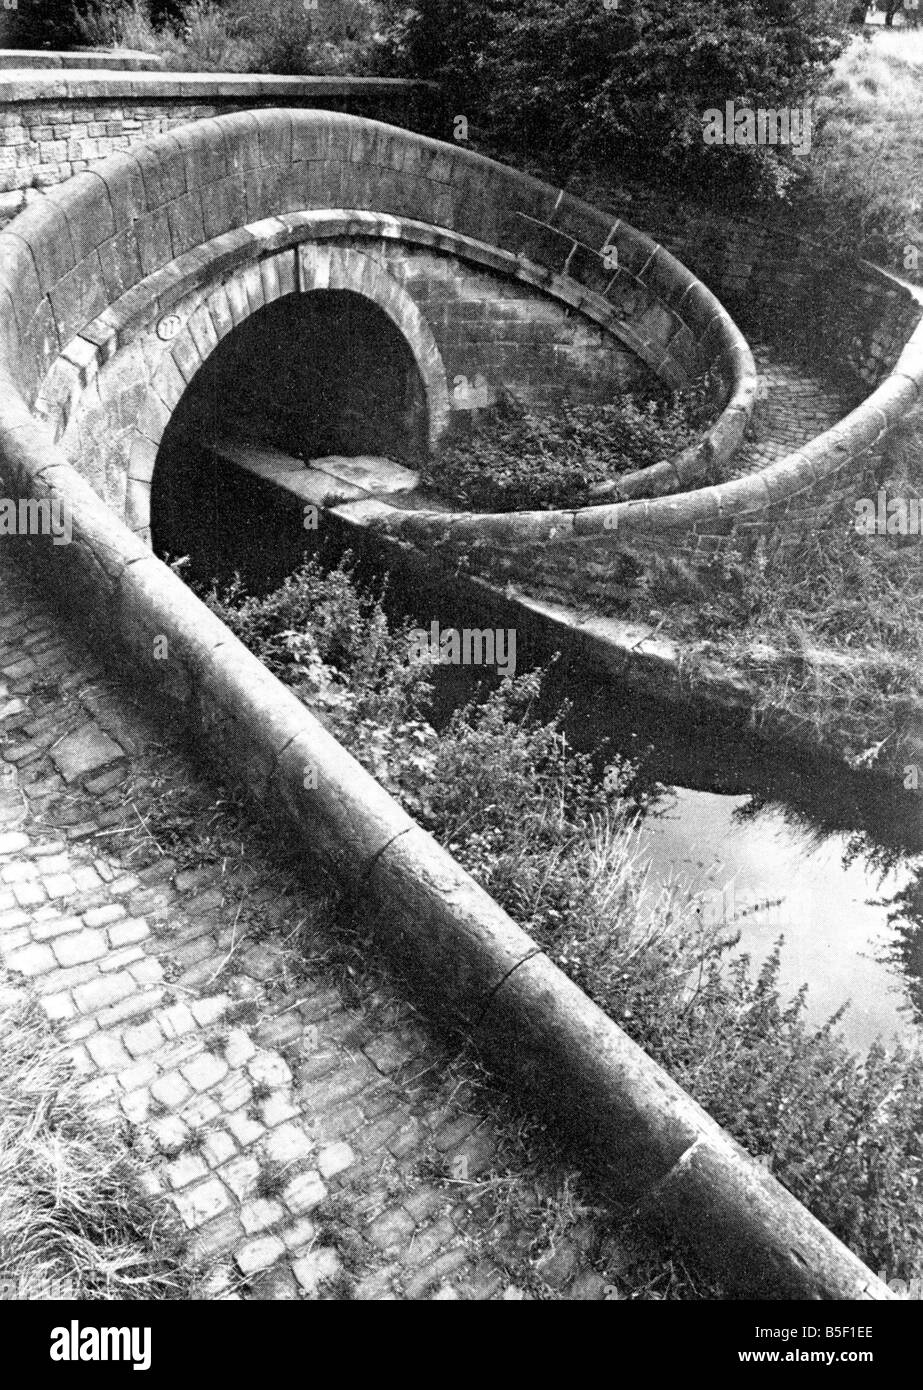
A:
{"points": [[515, 461], [557, 848], [576, 79], [39, 24]]}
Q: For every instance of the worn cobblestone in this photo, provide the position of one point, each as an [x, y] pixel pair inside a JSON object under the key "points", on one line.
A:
{"points": [[271, 1160]]}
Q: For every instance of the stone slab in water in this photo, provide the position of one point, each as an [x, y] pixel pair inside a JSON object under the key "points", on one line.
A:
{"points": [[88, 750]]}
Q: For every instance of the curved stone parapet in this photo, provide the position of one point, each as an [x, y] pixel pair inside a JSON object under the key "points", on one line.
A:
{"points": [[106, 254]]}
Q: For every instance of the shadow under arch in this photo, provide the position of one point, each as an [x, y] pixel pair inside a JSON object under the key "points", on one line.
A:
{"points": [[311, 374], [365, 294]]}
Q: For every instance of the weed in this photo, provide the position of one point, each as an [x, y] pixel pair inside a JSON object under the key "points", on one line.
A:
{"points": [[73, 1213]]}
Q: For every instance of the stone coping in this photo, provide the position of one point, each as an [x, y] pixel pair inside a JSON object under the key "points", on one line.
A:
{"points": [[78, 83], [117, 59]]}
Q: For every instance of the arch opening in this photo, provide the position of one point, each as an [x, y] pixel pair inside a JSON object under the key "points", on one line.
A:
{"points": [[311, 375]]}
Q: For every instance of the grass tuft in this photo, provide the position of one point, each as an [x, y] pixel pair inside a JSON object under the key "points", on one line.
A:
{"points": [[75, 1220]]}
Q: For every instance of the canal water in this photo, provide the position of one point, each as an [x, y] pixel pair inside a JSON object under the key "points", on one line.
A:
{"points": [[766, 877], [769, 842]]}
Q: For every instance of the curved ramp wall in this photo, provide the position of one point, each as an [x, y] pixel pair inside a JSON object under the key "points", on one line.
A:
{"points": [[467, 959]]}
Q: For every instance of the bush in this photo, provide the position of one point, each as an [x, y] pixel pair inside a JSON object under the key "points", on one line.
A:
{"points": [[572, 79], [557, 847], [515, 461], [38, 24]]}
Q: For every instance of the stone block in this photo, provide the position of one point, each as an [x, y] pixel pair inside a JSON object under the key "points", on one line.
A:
{"points": [[79, 297], [85, 752]]}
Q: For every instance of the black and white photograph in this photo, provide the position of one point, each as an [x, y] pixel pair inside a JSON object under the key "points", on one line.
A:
{"points": [[461, 672]]}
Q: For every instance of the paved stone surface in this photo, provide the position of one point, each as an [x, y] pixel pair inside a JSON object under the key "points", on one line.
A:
{"points": [[794, 406], [317, 1143]]}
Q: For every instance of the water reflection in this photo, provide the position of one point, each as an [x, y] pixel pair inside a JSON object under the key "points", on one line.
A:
{"points": [[758, 872]]}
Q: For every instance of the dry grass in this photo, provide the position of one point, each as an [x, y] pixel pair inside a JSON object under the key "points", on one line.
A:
{"points": [[868, 148], [75, 1221]]}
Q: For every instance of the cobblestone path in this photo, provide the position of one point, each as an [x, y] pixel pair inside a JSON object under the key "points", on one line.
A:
{"points": [[315, 1145], [794, 406]]}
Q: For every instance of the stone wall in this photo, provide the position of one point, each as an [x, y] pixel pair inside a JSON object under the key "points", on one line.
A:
{"points": [[112, 59], [56, 124], [787, 289], [509, 335], [488, 334]]}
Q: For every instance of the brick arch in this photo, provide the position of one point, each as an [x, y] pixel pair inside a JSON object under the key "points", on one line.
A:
{"points": [[210, 316]]}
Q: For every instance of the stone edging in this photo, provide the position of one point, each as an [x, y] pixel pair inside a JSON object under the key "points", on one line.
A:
{"points": [[116, 59], [77, 83]]}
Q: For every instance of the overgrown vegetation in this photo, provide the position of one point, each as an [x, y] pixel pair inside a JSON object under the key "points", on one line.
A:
{"points": [[287, 36], [862, 191], [828, 629], [75, 1221], [514, 460], [577, 80], [522, 811]]}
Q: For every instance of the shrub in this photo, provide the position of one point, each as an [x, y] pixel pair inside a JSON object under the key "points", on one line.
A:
{"points": [[286, 37], [515, 461], [329, 640], [573, 79]]}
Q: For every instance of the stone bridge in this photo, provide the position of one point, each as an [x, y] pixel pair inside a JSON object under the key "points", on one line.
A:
{"points": [[124, 280], [295, 240]]}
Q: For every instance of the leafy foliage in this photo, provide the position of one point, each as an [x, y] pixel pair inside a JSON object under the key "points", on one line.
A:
{"points": [[285, 37], [514, 460], [573, 79]]}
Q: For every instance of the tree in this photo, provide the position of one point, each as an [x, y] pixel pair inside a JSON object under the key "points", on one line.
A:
{"points": [[562, 79]]}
